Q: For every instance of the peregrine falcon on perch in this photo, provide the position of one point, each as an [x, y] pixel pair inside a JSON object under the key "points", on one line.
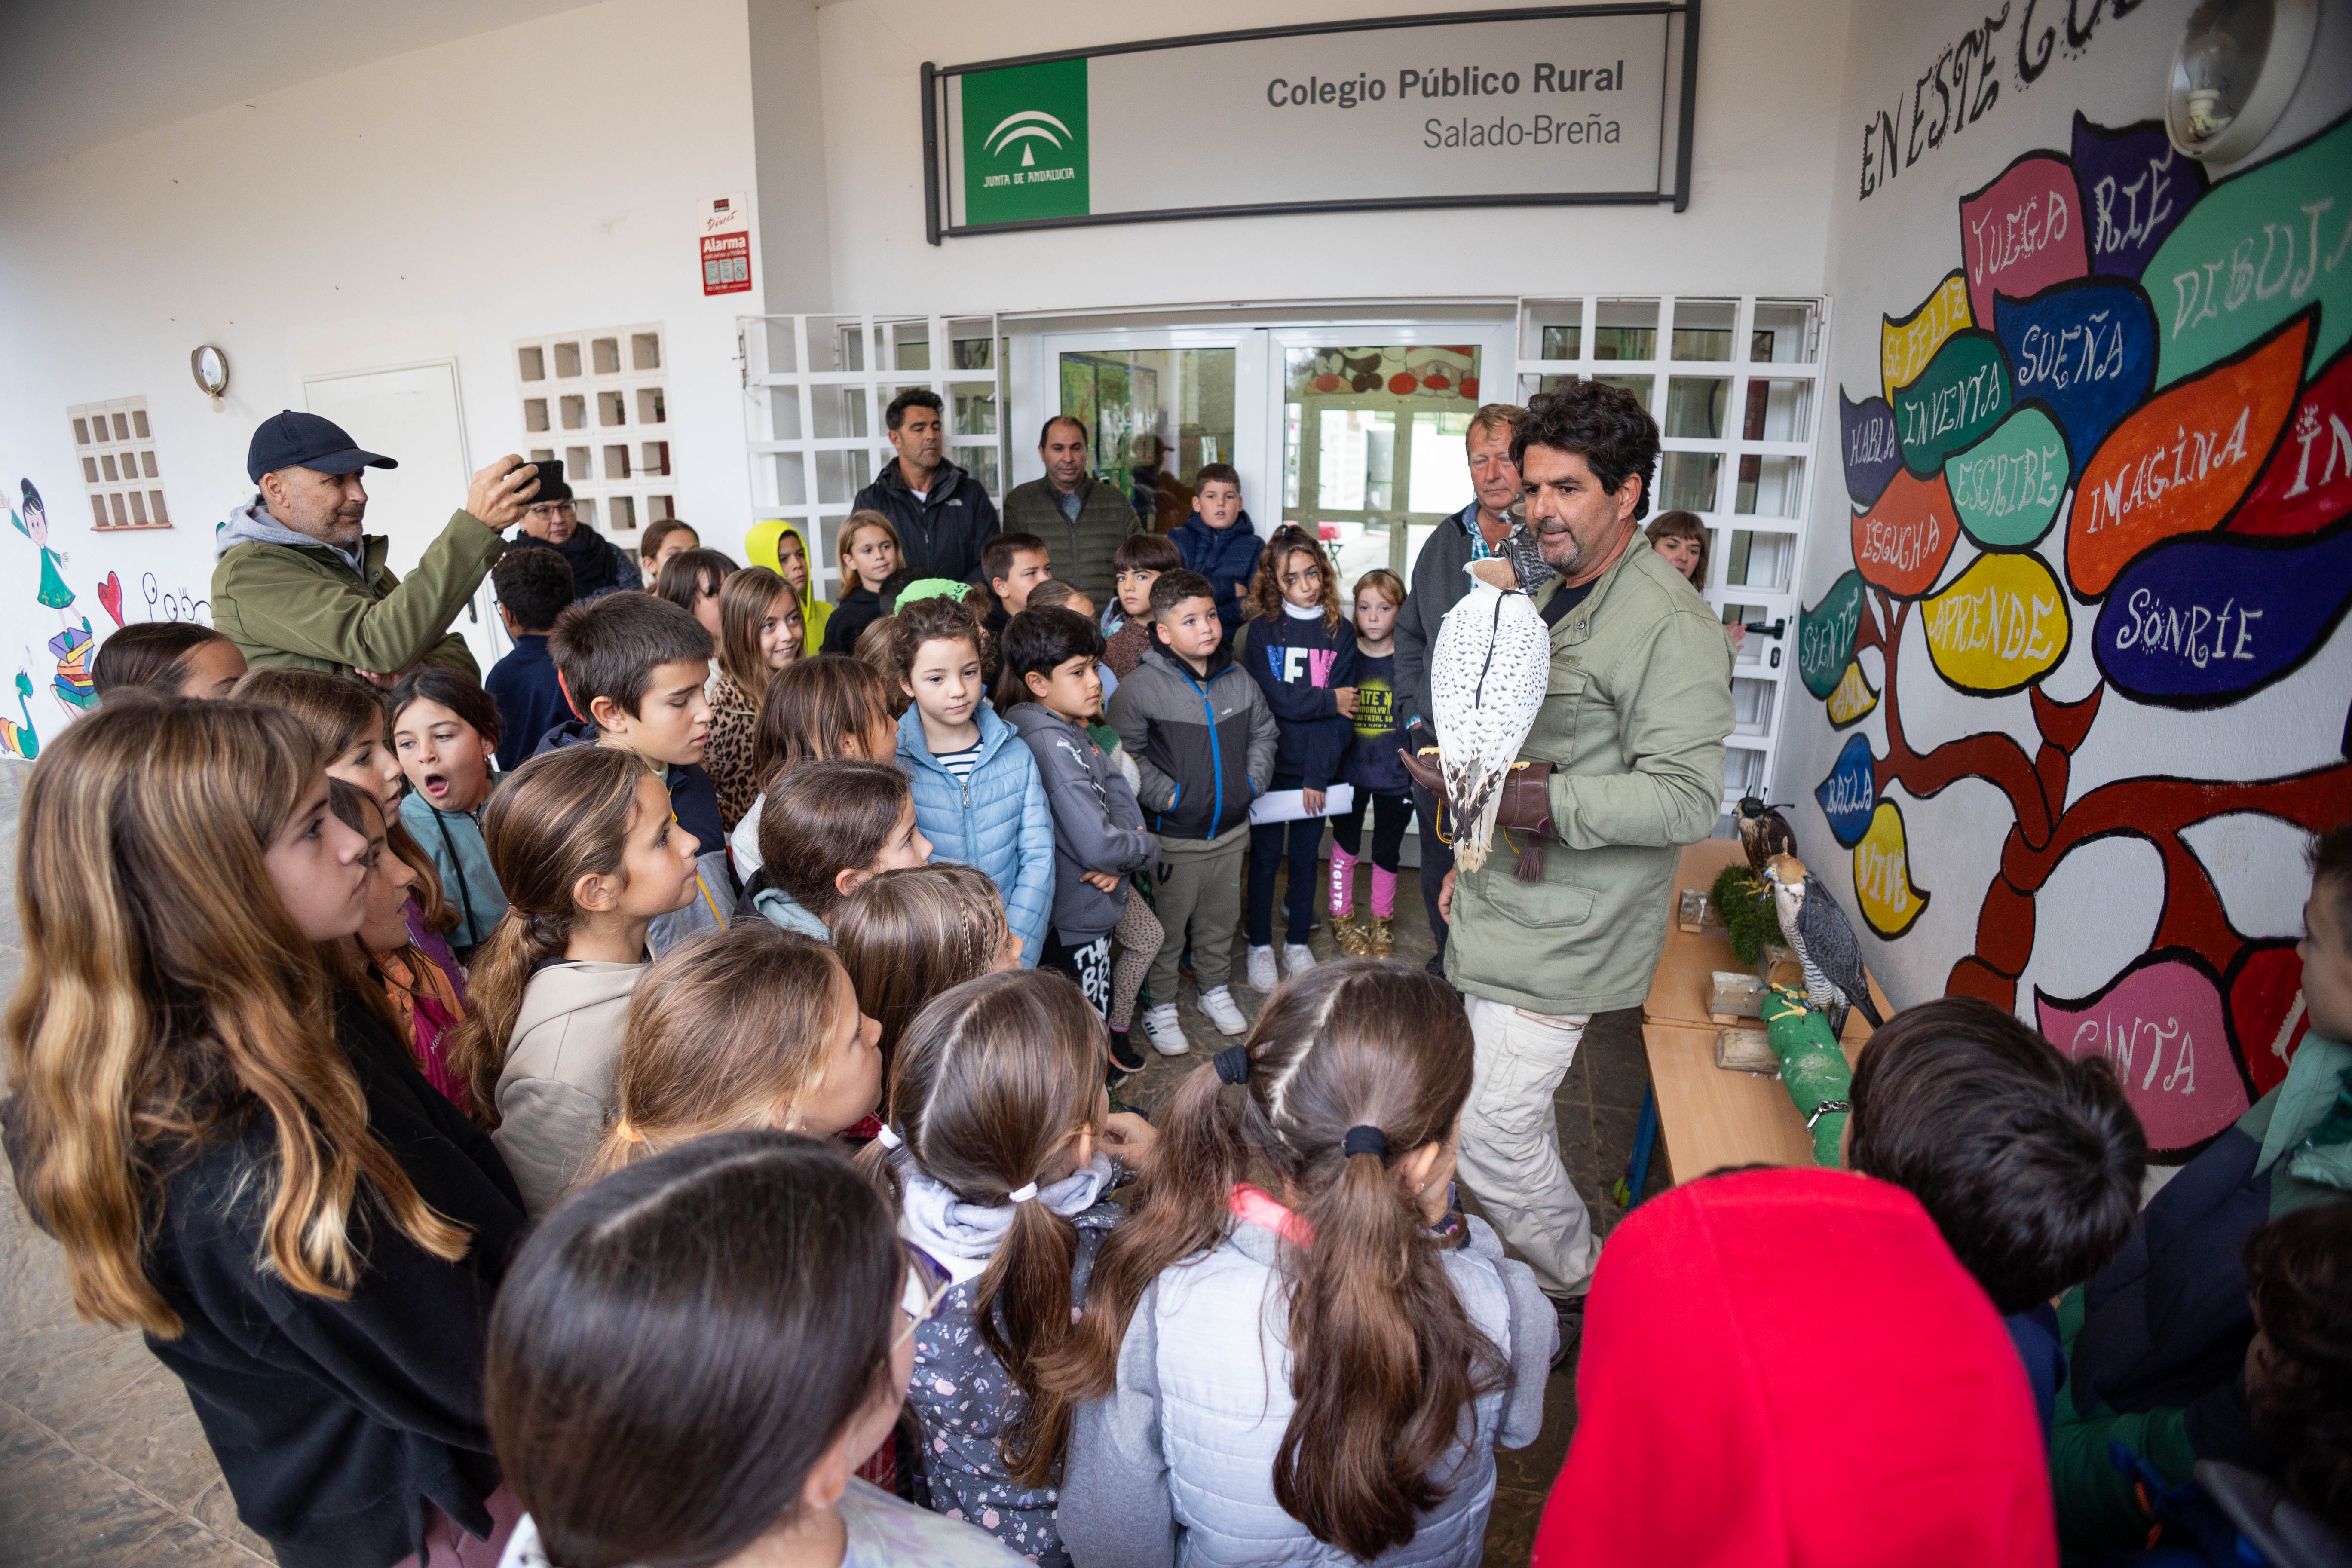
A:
{"points": [[1816, 931]]}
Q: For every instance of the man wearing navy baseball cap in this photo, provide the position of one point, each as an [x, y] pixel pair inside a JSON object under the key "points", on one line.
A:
{"points": [[298, 584]]}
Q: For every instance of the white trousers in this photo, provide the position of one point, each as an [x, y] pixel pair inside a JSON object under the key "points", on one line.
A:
{"points": [[1510, 1141]]}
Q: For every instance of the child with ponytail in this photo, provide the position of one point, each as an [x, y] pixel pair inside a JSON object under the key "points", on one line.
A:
{"points": [[239, 1160], [906, 935], [755, 1027], [1298, 1339], [1002, 1141], [584, 842]]}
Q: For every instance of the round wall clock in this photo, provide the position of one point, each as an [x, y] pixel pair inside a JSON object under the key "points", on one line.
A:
{"points": [[210, 367]]}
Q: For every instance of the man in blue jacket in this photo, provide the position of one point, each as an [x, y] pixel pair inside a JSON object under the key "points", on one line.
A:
{"points": [[1218, 541], [942, 514]]}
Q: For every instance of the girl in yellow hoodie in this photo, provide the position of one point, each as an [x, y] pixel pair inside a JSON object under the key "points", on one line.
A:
{"points": [[780, 547]]}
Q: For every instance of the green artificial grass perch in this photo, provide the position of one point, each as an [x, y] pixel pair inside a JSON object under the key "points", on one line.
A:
{"points": [[1746, 910]]}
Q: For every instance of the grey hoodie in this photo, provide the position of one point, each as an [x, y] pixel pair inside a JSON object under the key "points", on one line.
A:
{"points": [[252, 524], [1097, 824], [557, 1086]]}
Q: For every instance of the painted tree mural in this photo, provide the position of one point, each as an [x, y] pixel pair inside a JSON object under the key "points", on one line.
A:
{"points": [[2126, 415]]}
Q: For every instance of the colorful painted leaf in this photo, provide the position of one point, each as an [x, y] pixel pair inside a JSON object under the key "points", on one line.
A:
{"points": [[2266, 1010], [2022, 233], [2159, 1024], [1962, 393], [1866, 439], [2308, 485], [2006, 488], [1905, 346], [2135, 190], [1826, 635], [2087, 350], [2001, 626], [2202, 621], [2261, 246], [1901, 544], [1850, 795], [2182, 461], [1853, 698], [1882, 874]]}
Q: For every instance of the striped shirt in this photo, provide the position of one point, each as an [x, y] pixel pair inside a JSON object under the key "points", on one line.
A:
{"points": [[959, 764]]}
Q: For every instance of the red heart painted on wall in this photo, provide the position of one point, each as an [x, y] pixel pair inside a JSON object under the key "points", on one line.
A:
{"points": [[110, 594]]}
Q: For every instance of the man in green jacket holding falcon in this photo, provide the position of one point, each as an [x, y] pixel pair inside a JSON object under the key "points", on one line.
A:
{"points": [[299, 584], [1082, 520], [1632, 729]]}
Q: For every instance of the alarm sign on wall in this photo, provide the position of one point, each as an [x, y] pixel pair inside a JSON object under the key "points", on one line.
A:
{"points": [[727, 247]]}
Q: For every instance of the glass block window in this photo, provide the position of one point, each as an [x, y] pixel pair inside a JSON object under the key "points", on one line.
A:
{"points": [[116, 450]]}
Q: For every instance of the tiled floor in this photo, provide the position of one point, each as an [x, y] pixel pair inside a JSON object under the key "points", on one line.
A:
{"points": [[102, 1463]]}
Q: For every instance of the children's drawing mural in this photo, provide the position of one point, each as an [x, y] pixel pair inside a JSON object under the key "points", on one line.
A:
{"points": [[64, 667], [2081, 663]]}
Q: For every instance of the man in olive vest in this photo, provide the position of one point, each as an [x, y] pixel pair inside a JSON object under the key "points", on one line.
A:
{"points": [[1081, 518]]}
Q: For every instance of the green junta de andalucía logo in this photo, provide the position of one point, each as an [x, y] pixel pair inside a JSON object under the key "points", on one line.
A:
{"points": [[1023, 138]]}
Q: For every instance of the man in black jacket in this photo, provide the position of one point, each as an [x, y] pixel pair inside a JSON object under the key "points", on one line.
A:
{"points": [[942, 514], [1477, 530]]}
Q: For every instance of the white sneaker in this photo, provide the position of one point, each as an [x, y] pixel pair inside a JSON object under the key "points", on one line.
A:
{"points": [[1167, 1033], [1297, 958], [1219, 1005], [1261, 969]]}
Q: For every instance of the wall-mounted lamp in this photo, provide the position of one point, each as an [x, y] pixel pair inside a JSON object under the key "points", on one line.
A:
{"points": [[2234, 73], [210, 367]]}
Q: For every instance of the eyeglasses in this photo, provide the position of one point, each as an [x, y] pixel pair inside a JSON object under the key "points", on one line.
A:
{"points": [[918, 1303], [552, 509]]}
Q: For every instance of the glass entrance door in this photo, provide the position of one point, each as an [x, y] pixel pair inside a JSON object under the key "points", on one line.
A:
{"points": [[1374, 421]]}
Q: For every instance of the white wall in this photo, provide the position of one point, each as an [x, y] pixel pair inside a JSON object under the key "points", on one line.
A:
{"points": [[542, 177], [1766, 142], [2216, 875]]}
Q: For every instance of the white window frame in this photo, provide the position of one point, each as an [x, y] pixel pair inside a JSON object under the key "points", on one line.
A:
{"points": [[132, 504], [1766, 665], [837, 373]]}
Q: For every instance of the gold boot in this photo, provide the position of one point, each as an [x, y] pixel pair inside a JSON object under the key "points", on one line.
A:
{"points": [[1348, 935], [1382, 940]]}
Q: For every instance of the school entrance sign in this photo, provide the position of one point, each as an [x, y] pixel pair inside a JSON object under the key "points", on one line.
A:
{"points": [[1558, 105]]}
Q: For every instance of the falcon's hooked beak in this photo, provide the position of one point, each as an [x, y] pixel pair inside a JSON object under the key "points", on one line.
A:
{"points": [[1787, 871]]}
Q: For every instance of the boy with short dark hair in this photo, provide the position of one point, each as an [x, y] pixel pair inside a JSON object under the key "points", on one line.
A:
{"points": [[535, 586], [1054, 696], [635, 665], [1137, 564], [2028, 1161], [1219, 542], [1012, 563], [1203, 740]]}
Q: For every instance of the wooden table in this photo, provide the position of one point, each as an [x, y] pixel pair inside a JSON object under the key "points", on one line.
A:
{"points": [[1712, 1118]]}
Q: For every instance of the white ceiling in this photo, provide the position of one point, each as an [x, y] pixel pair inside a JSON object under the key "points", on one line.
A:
{"points": [[82, 73]]}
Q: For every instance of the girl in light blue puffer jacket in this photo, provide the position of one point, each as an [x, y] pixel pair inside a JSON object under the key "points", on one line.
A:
{"points": [[978, 797], [1299, 1349]]}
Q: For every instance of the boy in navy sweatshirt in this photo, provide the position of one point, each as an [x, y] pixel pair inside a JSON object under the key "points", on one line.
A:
{"points": [[1218, 542]]}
